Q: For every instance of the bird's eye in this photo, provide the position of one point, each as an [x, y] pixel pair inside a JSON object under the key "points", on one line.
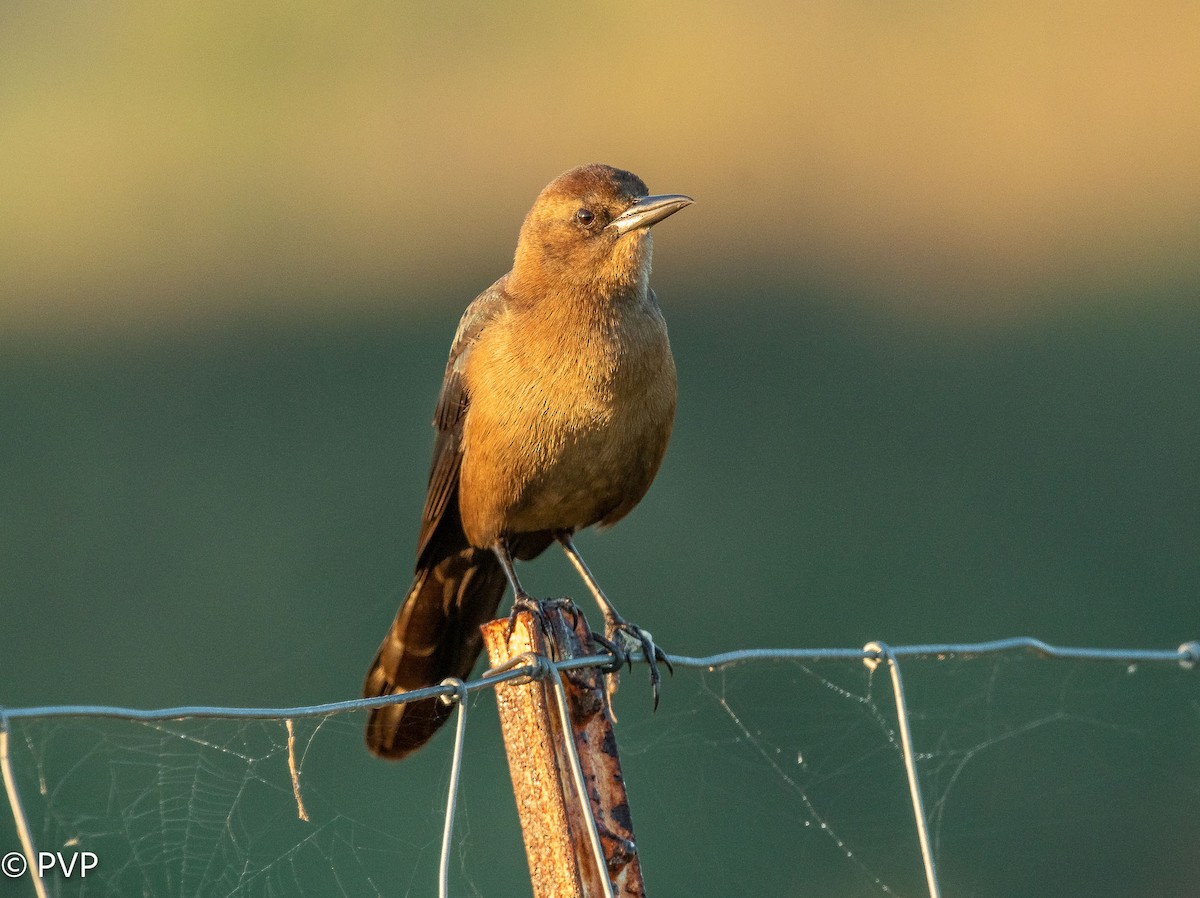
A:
{"points": [[585, 217]]}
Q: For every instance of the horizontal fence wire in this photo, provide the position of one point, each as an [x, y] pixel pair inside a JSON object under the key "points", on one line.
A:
{"points": [[1187, 656], [528, 667]]}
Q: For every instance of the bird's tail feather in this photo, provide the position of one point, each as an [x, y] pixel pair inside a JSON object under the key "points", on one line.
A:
{"points": [[435, 635]]}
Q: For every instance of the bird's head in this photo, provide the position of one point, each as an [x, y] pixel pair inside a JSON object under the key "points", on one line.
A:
{"points": [[589, 231]]}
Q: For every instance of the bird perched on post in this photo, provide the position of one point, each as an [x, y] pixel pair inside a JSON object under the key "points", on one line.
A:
{"points": [[554, 415]]}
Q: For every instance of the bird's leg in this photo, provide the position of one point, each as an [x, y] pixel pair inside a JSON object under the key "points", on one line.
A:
{"points": [[501, 551], [617, 630], [522, 601]]}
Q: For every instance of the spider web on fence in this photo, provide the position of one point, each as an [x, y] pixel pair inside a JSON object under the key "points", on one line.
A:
{"points": [[761, 778], [1038, 777]]}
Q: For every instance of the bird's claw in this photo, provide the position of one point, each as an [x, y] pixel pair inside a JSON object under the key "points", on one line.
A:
{"points": [[538, 608], [619, 655], [522, 602], [631, 638]]}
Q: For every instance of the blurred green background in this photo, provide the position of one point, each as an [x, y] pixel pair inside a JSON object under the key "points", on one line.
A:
{"points": [[935, 316]]}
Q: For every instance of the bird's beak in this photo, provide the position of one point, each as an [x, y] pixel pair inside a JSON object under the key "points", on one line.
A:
{"points": [[648, 210]]}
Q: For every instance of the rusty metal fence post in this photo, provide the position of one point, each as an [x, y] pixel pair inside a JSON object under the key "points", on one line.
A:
{"points": [[562, 755]]}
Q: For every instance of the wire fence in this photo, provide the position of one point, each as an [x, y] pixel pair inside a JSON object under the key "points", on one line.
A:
{"points": [[525, 668]]}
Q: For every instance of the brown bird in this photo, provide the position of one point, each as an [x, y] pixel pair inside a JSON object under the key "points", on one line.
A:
{"points": [[554, 415]]}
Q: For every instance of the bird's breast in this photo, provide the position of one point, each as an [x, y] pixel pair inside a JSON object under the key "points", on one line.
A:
{"points": [[568, 422]]}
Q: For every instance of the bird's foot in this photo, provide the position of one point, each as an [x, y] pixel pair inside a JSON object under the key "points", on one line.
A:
{"points": [[538, 608], [523, 601], [623, 638]]}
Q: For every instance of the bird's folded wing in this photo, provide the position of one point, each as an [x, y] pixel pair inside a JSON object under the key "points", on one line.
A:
{"points": [[452, 404]]}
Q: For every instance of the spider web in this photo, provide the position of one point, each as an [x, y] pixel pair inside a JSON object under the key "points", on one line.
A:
{"points": [[194, 807], [1039, 778], [765, 778]]}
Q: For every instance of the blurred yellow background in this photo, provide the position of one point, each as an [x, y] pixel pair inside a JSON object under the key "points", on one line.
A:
{"points": [[964, 162]]}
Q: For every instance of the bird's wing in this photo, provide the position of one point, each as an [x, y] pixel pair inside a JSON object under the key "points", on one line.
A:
{"points": [[452, 404]]}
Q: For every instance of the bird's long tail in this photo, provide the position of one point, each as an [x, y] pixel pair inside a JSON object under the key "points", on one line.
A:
{"points": [[436, 635]]}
